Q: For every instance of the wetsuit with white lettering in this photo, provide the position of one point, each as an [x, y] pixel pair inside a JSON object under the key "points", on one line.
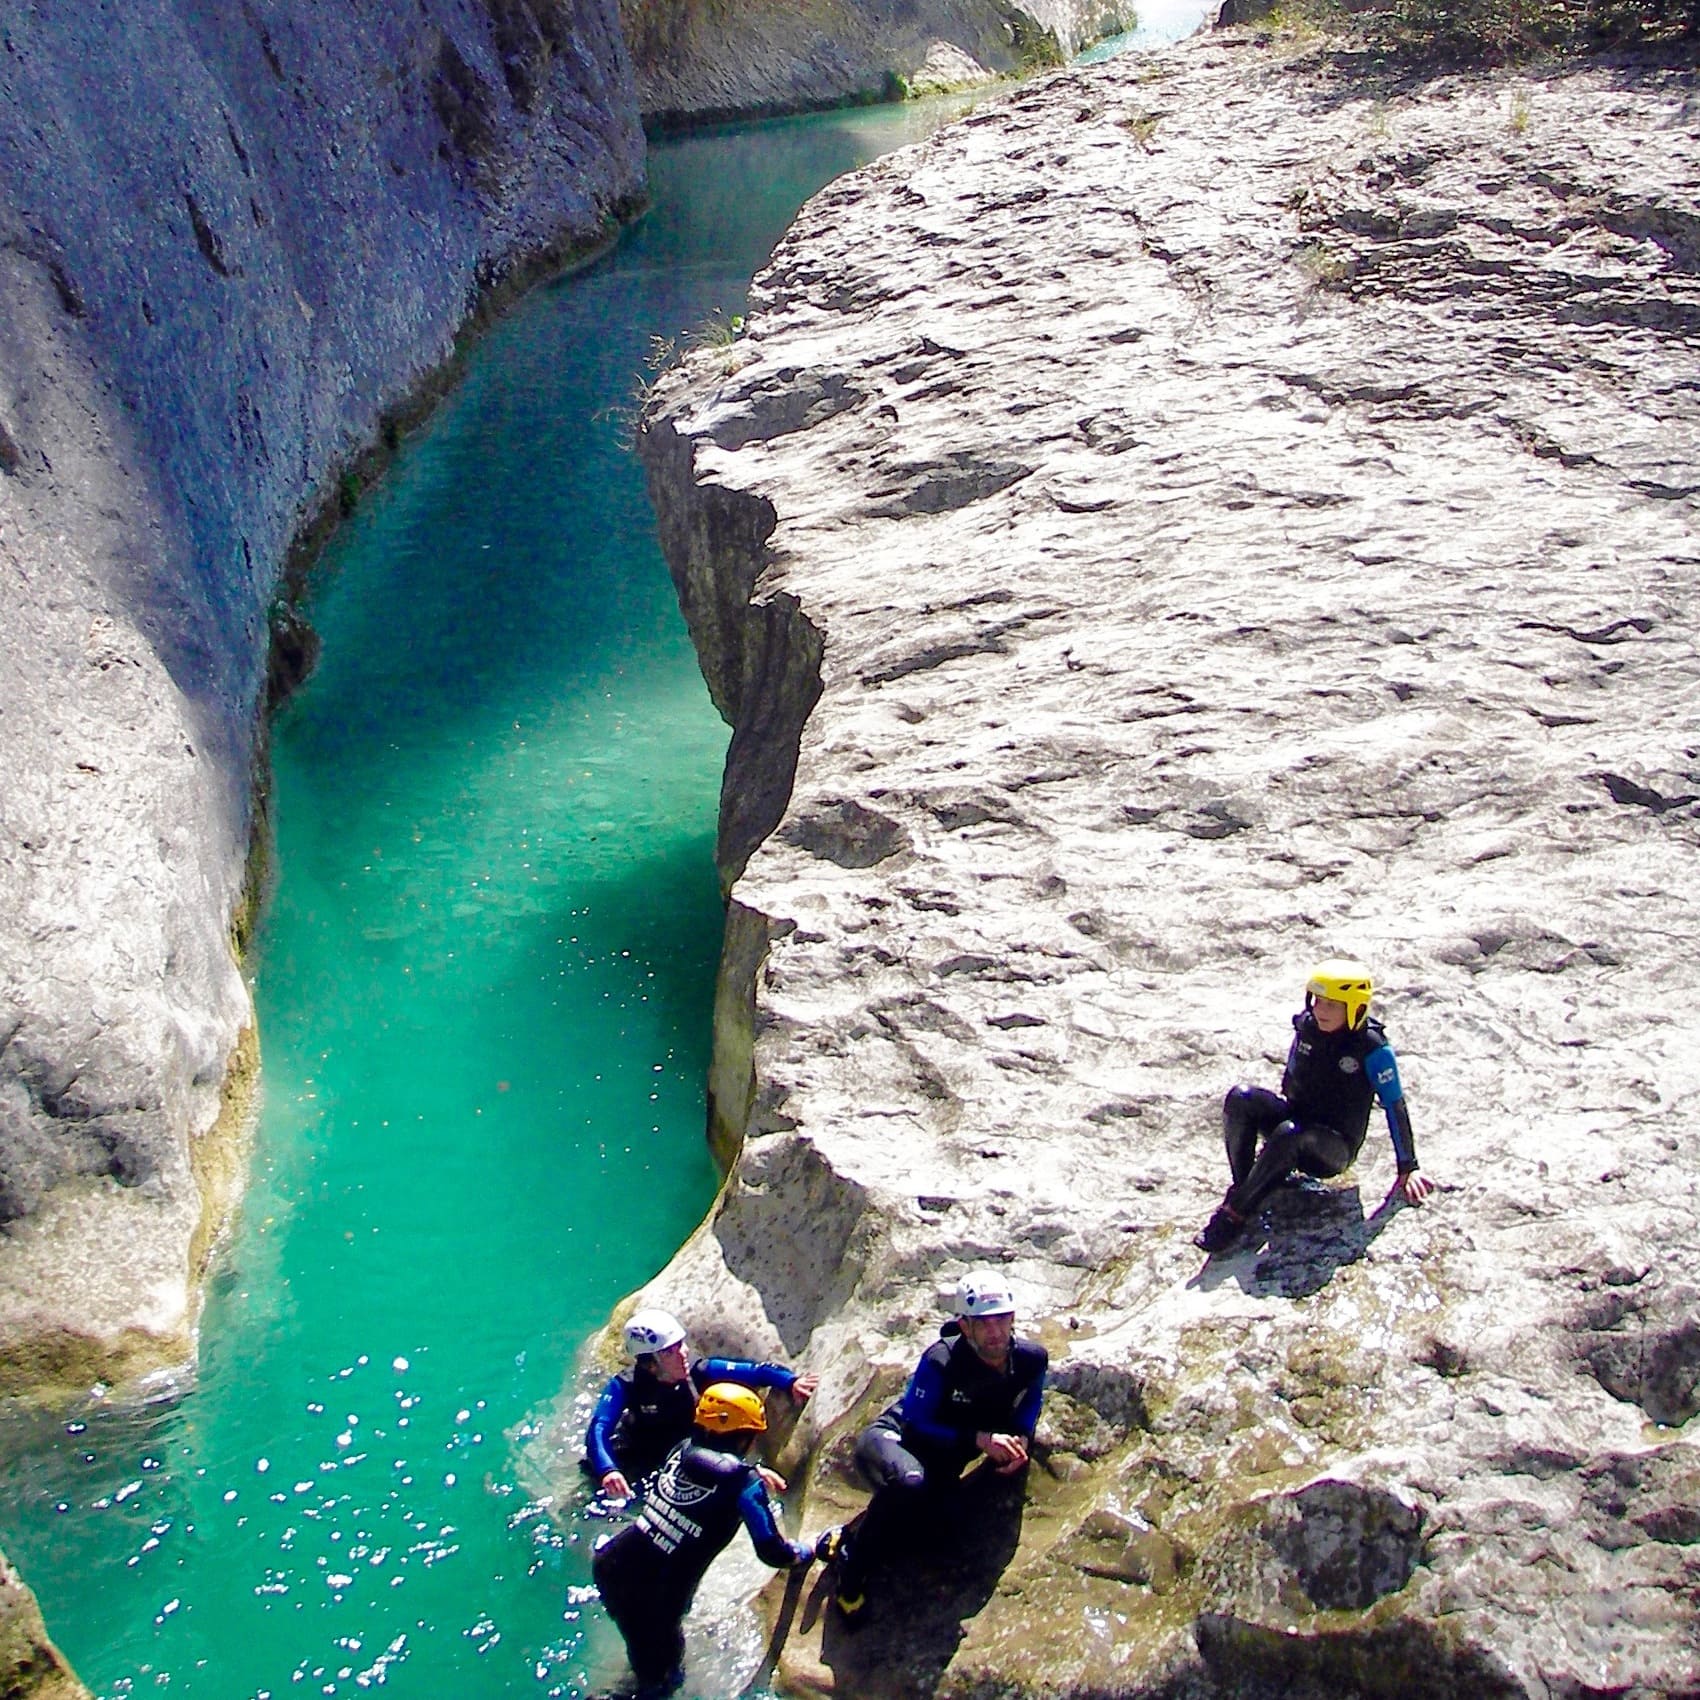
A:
{"points": [[648, 1573]]}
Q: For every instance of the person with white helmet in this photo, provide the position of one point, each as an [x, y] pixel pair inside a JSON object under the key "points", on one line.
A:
{"points": [[648, 1573], [974, 1395], [645, 1410], [1339, 1065]]}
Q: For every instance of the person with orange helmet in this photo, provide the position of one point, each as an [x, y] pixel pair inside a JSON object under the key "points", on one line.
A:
{"points": [[1339, 1065], [648, 1573], [647, 1408]]}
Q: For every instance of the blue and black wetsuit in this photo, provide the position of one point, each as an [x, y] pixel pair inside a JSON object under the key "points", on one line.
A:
{"points": [[640, 1418], [1318, 1120], [913, 1454], [648, 1573]]}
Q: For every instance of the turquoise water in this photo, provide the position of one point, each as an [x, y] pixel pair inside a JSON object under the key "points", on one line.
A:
{"points": [[484, 987]]}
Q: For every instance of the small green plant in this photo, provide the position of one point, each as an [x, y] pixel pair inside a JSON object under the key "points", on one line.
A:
{"points": [[1517, 119], [1323, 268], [1142, 126]]}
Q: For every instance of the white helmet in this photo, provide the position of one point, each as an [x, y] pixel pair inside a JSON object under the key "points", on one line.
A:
{"points": [[652, 1331], [984, 1292]]}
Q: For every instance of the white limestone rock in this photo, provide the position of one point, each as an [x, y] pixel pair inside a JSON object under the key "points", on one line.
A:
{"points": [[1201, 515]]}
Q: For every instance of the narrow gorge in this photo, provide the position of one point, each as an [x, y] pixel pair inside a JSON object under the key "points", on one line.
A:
{"points": [[1193, 516]]}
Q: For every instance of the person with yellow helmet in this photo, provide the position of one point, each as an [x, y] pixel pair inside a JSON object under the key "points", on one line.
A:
{"points": [[648, 1574], [1340, 1064], [647, 1408], [974, 1396]]}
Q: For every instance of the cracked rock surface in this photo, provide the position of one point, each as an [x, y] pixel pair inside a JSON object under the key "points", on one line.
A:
{"points": [[1198, 516], [232, 241]]}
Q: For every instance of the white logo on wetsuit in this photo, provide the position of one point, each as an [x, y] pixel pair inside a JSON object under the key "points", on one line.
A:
{"points": [[1348, 1065], [680, 1490]]}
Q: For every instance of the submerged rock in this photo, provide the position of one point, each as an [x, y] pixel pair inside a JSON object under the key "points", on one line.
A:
{"points": [[1202, 515], [235, 244]]}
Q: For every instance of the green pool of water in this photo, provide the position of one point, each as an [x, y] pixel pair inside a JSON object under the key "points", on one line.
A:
{"points": [[484, 991]]}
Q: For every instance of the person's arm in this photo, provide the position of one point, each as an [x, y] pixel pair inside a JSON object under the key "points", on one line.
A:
{"points": [[924, 1402], [771, 1546], [745, 1373], [1382, 1068], [609, 1409], [1026, 1417]]}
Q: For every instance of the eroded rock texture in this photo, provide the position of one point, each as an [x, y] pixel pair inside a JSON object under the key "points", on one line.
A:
{"points": [[31, 1667], [1228, 515], [699, 59], [232, 238]]}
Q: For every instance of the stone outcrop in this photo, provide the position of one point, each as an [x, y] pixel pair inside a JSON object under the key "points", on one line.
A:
{"points": [[1201, 515], [704, 59], [31, 1667], [236, 243]]}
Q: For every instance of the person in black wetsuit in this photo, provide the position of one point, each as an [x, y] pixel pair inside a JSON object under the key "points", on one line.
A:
{"points": [[975, 1394], [647, 1574], [646, 1410], [1339, 1065]]}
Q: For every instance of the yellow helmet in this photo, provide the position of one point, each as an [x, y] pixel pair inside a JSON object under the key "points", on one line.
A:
{"points": [[1345, 982], [727, 1408]]}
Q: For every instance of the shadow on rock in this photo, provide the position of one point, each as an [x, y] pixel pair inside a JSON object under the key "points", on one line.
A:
{"points": [[918, 1608], [1307, 1232]]}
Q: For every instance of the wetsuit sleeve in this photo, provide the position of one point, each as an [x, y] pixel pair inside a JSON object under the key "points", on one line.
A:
{"points": [[1382, 1068], [706, 1371], [609, 1409], [924, 1402], [1026, 1417], [756, 1509]]}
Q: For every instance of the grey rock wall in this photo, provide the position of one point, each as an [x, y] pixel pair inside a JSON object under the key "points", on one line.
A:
{"points": [[1226, 512], [704, 59], [234, 242]]}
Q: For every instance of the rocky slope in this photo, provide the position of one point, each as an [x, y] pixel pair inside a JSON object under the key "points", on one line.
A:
{"points": [[1198, 516], [234, 242], [702, 59]]}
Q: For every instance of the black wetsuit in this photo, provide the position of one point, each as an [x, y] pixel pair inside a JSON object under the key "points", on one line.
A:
{"points": [[648, 1573], [640, 1418], [1318, 1120], [913, 1454]]}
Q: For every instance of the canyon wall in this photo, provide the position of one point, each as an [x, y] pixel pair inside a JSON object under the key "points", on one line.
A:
{"points": [[708, 59], [1198, 516], [237, 244]]}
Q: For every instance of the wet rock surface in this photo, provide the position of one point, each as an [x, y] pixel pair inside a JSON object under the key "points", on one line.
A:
{"points": [[31, 1667], [1235, 514], [234, 241]]}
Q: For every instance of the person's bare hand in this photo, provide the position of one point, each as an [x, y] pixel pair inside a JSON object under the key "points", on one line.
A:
{"points": [[1006, 1453], [615, 1486], [1414, 1187], [803, 1388], [774, 1481]]}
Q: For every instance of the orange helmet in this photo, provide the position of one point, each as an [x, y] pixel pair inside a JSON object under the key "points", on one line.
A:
{"points": [[727, 1408]]}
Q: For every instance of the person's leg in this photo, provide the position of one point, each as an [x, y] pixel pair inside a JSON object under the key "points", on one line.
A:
{"points": [[649, 1617], [899, 1481], [1316, 1149], [1248, 1113]]}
